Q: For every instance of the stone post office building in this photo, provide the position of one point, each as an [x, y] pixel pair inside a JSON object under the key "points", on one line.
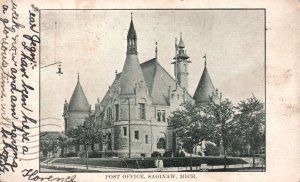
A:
{"points": [[133, 114]]}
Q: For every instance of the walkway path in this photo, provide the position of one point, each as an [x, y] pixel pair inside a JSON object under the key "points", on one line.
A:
{"points": [[115, 169]]}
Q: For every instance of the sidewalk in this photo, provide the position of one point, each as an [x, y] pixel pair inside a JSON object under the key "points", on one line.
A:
{"points": [[115, 169]]}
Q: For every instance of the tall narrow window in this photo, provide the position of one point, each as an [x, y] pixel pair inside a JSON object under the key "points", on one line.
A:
{"points": [[109, 114], [158, 115], [142, 111], [163, 115], [146, 139], [136, 135], [125, 131], [117, 111]]}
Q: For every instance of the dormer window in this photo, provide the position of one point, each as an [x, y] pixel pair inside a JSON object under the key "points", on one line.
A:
{"points": [[161, 115]]}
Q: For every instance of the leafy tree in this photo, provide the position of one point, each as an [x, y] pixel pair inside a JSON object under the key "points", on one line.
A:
{"points": [[251, 120], [90, 133], [191, 124], [86, 134], [221, 115], [45, 147], [76, 135], [62, 143]]}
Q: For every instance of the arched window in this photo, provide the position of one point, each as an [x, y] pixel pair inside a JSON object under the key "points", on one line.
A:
{"points": [[161, 141]]}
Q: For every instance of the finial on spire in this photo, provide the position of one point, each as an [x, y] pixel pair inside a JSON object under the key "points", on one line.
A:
{"points": [[156, 50], [131, 39], [181, 44], [204, 59], [77, 76]]}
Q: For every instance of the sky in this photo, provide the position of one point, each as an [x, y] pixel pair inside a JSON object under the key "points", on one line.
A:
{"points": [[93, 44]]}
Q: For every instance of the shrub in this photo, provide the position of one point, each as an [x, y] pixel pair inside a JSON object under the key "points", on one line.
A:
{"points": [[155, 154], [82, 154], [70, 154], [95, 154], [175, 154], [212, 150], [168, 154], [111, 154]]}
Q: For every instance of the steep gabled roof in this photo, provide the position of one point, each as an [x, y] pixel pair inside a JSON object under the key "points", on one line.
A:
{"points": [[117, 79], [78, 101], [157, 80], [160, 86], [205, 88]]}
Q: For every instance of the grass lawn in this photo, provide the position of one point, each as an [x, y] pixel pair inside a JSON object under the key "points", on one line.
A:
{"points": [[136, 163]]}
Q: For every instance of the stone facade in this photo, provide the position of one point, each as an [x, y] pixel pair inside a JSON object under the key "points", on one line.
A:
{"points": [[133, 114]]}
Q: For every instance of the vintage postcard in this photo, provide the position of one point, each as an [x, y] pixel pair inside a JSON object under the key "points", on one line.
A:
{"points": [[184, 91]]}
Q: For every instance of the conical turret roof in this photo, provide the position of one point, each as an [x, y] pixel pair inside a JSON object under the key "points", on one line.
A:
{"points": [[132, 73], [78, 100], [205, 88]]}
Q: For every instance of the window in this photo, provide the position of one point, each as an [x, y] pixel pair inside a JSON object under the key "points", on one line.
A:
{"points": [[136, 135], [117, 111], [146, 139], [161, 144], [161, 141], [109, 114], [142, 111], [125, 131], [185, 68], [158, 115], [161, 115]]}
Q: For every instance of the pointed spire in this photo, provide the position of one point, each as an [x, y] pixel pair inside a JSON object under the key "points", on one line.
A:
{"points": [[179, 49], [205, 88], [131, 39], [132, 73], [78, 101], [181, 44]]}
